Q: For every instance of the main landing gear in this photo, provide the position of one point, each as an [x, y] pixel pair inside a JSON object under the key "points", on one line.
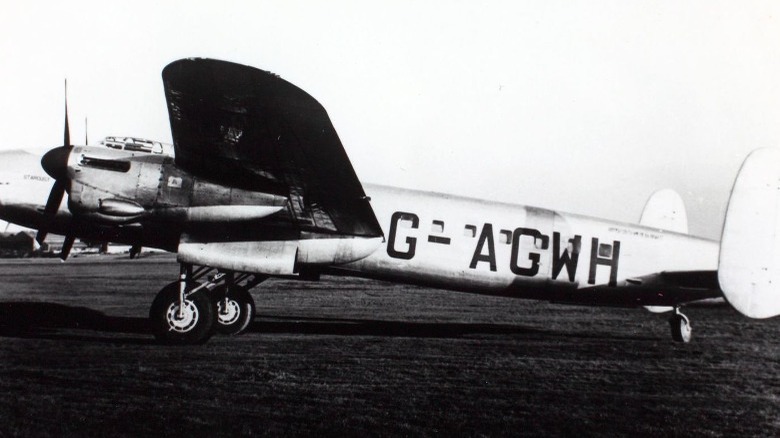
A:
{"points": [[188, 312], [681, 326]]}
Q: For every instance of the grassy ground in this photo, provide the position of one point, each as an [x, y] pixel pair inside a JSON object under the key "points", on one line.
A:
{"points": [[360, 357]]}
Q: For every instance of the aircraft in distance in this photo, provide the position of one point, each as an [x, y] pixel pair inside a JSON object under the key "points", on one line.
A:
{"points": [[259, 186]]}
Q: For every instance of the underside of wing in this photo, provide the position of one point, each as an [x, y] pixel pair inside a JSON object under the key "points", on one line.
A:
{"points": [[250, 129], [659, 289]]}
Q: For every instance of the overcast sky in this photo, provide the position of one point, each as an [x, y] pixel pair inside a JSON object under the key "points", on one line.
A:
{"points": [[585, 107]]}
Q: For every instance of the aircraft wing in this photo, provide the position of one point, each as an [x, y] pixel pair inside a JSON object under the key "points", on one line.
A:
{"points": [[658, 289], [672, 288], [248, 128]]}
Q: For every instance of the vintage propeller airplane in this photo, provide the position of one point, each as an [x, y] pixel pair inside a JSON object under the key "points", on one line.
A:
{"points": [[260, 186]]}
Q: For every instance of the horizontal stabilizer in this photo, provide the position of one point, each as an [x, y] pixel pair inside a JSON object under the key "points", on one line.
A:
{"points": [[665, 210], [749, 265]]}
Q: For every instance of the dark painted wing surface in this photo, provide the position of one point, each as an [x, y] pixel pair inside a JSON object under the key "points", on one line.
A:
{"points": [[658, 289], [248, 128]]}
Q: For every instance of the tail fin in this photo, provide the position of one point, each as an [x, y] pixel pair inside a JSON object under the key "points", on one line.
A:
{"points": [[665, 210], [749, 265]]}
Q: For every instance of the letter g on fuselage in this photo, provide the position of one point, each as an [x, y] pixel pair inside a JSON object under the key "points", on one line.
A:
{"points": [[411, 242]]}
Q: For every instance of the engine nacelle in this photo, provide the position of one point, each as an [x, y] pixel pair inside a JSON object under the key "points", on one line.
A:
{"points": [[282, 257], [112, 187]]}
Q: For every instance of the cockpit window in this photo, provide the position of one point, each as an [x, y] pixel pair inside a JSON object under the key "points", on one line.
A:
{"points": [[101, 163], [134, 144], [137, 147], [113, 144]]}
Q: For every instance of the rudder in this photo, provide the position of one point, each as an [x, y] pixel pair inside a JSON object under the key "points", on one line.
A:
{"points": [[749, 265]]}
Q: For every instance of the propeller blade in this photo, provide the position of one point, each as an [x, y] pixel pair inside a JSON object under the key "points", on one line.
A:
{"points": [[66, 135], [41, 235], [86, 132], [52, 205], [55, 163], [55, 198], [67, 245]]}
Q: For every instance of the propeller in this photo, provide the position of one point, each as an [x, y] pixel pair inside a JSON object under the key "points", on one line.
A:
{"points": [[55, 163], [67, 245]]}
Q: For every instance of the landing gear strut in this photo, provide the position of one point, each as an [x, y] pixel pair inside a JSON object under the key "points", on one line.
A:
{"points": [[187, 312], [681, 326]]}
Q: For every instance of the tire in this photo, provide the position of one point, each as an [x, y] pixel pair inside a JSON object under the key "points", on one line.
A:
{"points": [[681, 328], [235, 311], [198, 321]]}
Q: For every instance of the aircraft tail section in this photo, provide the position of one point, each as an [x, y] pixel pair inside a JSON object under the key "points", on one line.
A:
{"points": [[665, 210], [749, 265]]}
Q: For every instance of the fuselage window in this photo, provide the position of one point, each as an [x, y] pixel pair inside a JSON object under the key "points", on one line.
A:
{"points": [[470, 231], [437, 227]]}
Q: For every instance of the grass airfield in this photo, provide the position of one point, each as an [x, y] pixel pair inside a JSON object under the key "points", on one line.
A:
{"points": [[364, 357]]}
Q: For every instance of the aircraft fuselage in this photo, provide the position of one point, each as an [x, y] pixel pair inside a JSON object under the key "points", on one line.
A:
{"points": [[514, 250], [431, 239]]}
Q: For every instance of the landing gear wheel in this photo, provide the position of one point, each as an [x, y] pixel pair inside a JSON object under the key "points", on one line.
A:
{"points": [[192, 323], [681, 328], [234, 311]]}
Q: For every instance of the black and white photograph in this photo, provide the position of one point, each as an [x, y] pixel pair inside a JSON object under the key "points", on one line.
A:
{"points": [[391, 218]]}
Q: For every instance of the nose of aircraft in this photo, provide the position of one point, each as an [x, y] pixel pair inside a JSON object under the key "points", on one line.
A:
{"points": [[55, 162]]}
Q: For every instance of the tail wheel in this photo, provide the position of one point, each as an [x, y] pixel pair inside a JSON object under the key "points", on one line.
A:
{"points": [[235, 311], [681, 328], [182, 323]]}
